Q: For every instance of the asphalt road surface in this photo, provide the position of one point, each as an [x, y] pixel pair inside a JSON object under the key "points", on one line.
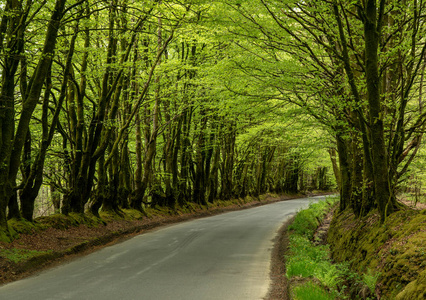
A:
{"points": [[221, 257]]}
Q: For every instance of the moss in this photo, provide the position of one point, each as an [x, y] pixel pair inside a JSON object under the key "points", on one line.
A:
{"points": [[395, 249], [8, 234], [133, 214], [267, 196], [4, 236], [57, 221], [19, 255], [110, 215], [415, 289], [60, 221], [22, 226]]}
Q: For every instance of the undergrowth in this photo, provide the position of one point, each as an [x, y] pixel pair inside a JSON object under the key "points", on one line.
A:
{"points": [[317, 276]]}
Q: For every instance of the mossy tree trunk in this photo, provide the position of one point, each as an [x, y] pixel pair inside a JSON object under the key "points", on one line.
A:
{"points": [[136, 194], [174, 165], [150, 150], [185, 157], [34, 180], [101, 189], [322, 179], [125, 177], [242, 173], [11, 35], [227, 168], [209, 151], [336, 169], [292, 176], [199, 188], [12, 43], [357, 175], [11, 140], [105, 110], [372, 17], [152, 127], [168, 157], [123, 168], [111, 202], [213, 183], [345, 172]]}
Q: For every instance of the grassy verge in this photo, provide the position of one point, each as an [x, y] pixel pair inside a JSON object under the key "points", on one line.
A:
{"points": [[312, 273]]}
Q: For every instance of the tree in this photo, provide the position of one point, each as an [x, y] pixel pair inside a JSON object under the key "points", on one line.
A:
{"points": [[12, 141]]}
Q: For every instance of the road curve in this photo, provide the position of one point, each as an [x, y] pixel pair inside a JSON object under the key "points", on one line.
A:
{"points": [[221, 257]]}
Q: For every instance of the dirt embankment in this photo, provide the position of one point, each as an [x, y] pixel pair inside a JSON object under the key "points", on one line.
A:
{"points": [[395, 249]]}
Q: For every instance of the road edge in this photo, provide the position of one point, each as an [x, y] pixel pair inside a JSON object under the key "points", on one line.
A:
{"points": [[279, 286]]}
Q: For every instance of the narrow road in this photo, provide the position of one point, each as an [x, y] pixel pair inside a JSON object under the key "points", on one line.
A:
{"points": [[222, 257]]}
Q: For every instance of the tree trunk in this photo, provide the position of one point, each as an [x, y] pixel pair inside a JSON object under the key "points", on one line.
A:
{"points": [[12, 33], [345, 172], [336, 170], [199, 189], [124, 189], [292, 177], [111, 201], [228, 162], [356, 175], [383, 195], [99, 195], [214, 176]]}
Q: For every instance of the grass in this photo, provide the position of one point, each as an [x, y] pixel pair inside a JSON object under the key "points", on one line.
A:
{"points": [[311, 291], [312, 262], [307, 221], [306, 260]]}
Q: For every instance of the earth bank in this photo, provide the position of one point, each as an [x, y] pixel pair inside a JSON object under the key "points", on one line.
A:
{"points": [[396, 249]]}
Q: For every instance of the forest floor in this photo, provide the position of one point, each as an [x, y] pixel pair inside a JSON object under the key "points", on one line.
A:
{"points": [[39, 249]]}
